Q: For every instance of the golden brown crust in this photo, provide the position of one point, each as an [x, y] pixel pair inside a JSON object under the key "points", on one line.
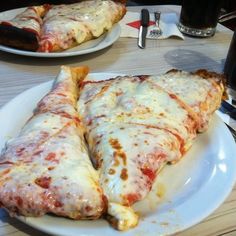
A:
{"points": [[18, 38], [23, 30], [121, 1], [79, 73], [203, 73], [209, 74], [218, 78], [121, 15]]}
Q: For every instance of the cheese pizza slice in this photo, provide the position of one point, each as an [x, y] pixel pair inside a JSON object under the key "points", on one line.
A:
{"points": [[136, 124], [66, 26], [24, 30], [46, 168], [196, 93]]}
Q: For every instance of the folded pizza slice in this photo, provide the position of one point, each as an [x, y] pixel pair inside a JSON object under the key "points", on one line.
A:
{"points": [[24, 30], [66, 26], [134, 126], [46, 168]]}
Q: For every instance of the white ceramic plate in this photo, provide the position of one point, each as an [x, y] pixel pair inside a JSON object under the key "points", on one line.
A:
{"points": [[178, 199], [102, 42]]}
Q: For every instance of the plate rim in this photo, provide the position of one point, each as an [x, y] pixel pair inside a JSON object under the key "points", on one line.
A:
{"points": [[193, 221], [110, 37]]}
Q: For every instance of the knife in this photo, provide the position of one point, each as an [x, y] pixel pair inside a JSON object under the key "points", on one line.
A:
{"points": [[228, 109], [233, 132], [143, 28]]}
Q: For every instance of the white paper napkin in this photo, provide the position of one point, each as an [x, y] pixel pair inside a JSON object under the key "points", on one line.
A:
{"points": [[131, 22]]}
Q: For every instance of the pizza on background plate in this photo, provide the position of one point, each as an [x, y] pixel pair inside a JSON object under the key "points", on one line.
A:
{"points": [[54, 28]]}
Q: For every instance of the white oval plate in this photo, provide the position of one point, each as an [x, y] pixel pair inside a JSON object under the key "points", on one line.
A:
{"points": [[208, 169], [94, 45]]}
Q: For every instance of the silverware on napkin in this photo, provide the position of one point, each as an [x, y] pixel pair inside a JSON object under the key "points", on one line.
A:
{"points": [[156, 32], [143, 28]]}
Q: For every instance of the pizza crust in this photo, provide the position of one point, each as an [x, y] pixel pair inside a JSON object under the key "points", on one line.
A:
{"points": [[18, 38]]}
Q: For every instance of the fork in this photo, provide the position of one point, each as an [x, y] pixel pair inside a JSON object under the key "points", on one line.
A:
{"points": [[156, 31]]}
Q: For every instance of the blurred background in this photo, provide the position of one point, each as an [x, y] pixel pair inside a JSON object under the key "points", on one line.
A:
{"points": [[228, 6]]}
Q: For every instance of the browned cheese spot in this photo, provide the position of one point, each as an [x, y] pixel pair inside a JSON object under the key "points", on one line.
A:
{"points": [[122, 155], [119, 152], [116, 161], [115, 143], [111, 171], [124, 174], [98, 160]]}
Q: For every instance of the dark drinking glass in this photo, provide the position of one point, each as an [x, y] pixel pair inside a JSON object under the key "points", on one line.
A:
{"points": [[199, 17], [230, 64]]}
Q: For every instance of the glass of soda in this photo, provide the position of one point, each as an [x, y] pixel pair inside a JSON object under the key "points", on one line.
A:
{"points": [[199, 18], [230, 64]]}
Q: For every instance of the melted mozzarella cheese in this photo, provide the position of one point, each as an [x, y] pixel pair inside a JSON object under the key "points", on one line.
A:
{"points": [[66, 24], [47, 167], [133, 128], [122, 217], [135, 125], [29, 19], [202, 95], [73, 189], [132, 168], [129, 101]]}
